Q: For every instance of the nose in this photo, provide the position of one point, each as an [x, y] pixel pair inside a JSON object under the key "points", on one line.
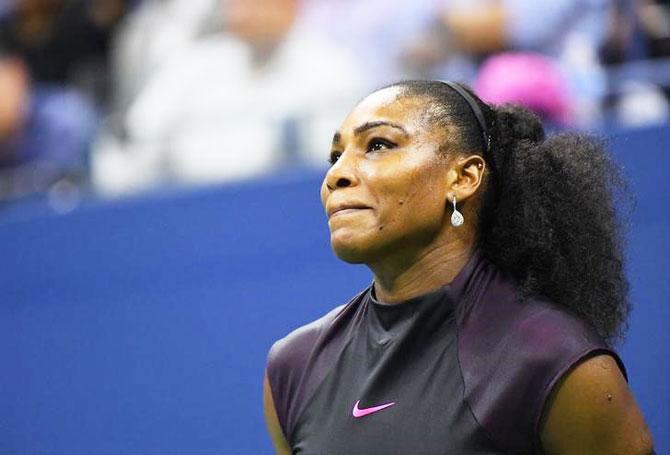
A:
{"points": [[342, 174]]}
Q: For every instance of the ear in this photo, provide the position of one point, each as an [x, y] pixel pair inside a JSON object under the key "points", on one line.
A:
{"points": [[465, 176]]}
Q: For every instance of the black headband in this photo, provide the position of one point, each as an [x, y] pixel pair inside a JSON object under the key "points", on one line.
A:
{"points": [[479, 115]]}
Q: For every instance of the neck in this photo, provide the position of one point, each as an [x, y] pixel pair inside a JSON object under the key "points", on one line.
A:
{"points": [[401, 279]]}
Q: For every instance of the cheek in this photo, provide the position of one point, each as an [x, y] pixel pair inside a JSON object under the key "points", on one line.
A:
{"points": [[408, 202], [417, 212], [412, 200]]}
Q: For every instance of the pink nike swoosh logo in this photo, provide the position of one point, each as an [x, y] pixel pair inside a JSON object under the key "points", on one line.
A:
{"points": [[358, 412]]}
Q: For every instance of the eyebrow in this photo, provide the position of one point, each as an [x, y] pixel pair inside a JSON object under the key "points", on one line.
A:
{"points": [[368, 126]]}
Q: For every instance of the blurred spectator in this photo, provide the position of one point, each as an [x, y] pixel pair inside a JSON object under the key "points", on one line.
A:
{"points": [[378, 32], [45, 133], [567, 31], [48, 122], [62, 42], [482, 27], [529, 79], [157, 31], [234, 104], [620, 43], [14, 88], [639, 85], [654, 16]]}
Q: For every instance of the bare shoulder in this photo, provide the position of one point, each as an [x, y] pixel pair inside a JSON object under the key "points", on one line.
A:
{"points": [[592, 410], [272, 421]]}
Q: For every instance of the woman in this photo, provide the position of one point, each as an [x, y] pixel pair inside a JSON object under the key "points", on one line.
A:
{"points": [[498, 284]]}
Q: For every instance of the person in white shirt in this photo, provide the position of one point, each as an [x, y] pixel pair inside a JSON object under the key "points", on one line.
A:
{"points": [[233, 105]]}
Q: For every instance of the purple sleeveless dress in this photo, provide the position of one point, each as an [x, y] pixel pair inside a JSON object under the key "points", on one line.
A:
{"points": [[466, 369]]}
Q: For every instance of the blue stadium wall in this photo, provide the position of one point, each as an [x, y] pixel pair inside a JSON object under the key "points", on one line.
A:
{"points": [[142, 326]]}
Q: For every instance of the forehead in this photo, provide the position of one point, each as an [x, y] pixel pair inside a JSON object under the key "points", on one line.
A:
{"points": [[392, 105]]}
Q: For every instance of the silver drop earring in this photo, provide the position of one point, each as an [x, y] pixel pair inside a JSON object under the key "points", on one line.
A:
{"points": [[456, 216]]}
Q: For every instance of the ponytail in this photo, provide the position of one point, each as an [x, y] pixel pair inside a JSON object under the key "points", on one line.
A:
{"points": [[550, 219]]}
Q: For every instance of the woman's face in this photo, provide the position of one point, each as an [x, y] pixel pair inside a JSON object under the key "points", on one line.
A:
{"points": [[387, 188]]}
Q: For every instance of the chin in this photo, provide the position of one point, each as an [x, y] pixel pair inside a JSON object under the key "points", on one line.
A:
{"points": [[350, 256], [349, 250]]}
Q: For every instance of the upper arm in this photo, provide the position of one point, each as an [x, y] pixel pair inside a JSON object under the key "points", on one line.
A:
{"points": [[272, 421], [593, 411]]}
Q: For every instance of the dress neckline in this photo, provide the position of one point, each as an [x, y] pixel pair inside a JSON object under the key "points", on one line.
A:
{"points": [[389, 316]]}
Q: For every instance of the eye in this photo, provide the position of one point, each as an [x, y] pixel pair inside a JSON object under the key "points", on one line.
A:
{"points": [[376, 144], [334, 156]]}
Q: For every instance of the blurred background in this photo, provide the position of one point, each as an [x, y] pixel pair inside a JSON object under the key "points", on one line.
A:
{"points": [[159, 171]]}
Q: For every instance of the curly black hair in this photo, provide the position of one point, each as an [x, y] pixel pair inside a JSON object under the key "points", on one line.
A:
{"points": [[550, 212]]}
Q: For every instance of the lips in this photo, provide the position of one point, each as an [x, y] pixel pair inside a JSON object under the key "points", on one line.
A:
{"points": [[344, 208]]}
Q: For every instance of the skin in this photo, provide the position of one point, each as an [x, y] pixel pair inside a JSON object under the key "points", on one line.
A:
{"points": [[388, 199], [477, 30], [274, 428], [14, 86], [471, 28], [593, 411], [402, 185], [263, 24]]}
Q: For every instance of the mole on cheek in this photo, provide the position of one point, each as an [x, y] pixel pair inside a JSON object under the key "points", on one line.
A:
{"points": [[381, 228]]}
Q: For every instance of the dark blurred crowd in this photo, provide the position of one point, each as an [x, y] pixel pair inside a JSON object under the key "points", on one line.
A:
{"points": [[117, 96]]}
